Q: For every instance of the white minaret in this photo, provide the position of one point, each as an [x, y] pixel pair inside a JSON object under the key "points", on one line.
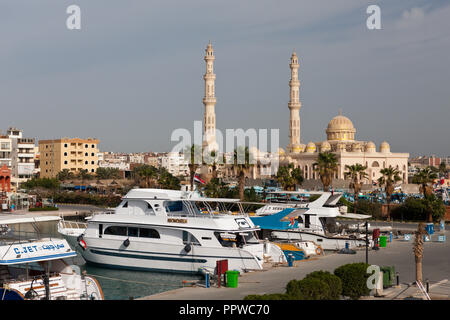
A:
{"points": [[209, 120], [294, 105]]}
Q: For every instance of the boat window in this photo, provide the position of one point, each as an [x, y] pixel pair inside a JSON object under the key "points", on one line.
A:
{"points": [[148, 233], [116, 231], [189, 238], [132, 232], [125, 205], [100, 230], [174, 206]]}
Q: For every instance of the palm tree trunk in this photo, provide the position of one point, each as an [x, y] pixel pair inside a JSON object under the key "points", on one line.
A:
{"points": [[419, 269], [192, 172], [241, 182]]}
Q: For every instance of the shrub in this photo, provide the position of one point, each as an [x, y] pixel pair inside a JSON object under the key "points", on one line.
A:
{"points": [[333, 281], [354, 279], [273, 296], [43, 209], [311, 288]]}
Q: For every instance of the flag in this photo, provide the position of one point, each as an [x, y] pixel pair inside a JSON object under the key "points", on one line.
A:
{"points": [[82, 244], [442, 181], [197, 179]]}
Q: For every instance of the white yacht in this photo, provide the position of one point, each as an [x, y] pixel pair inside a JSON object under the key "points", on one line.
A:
{"points": [[37, 268], [172, 231], [314, 221]]}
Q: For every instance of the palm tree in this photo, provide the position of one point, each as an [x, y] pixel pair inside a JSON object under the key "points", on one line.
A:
{"points": [[424, 177], [193, 155], [65, 174], [418, 249], [289, 176], [389, 177], [356, 172], [243, 161], [212, 160], [146, 173], [326, 166]]}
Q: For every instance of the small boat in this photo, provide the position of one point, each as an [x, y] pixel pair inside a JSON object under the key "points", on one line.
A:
{"points": [[314, 221], [171, 231], [40, 268], [300, 250]]}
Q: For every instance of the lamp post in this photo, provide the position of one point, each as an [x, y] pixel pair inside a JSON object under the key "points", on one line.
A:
{"points": [[367, 242]]}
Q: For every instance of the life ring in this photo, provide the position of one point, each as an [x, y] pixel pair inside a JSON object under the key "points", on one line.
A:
{"points": [[319, 251]]}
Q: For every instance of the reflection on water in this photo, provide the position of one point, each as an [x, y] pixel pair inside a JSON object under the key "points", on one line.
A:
{"points": [[116, 284], [135, 284]]}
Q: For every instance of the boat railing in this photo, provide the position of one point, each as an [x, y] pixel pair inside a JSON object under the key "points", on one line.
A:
{"points": [[66, 224]]}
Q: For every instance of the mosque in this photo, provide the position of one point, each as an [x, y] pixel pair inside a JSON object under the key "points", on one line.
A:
{"points": [[340, 134]]}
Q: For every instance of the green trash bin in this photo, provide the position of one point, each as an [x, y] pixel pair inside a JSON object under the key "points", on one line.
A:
{"points": [[232, 278], [383, 241], [388, 276]]}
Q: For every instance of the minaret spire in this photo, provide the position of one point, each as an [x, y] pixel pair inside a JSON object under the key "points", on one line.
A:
{"points": [[209, 100], [294, 105]]}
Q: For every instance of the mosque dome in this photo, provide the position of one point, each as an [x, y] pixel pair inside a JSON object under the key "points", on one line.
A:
{"points": [[311, 147], [370, 147], [384, 147], [340, 128], [325, 146]]}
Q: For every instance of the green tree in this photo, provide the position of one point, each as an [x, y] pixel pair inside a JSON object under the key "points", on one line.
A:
{"points": [[243, 162], [425, 177], [193, 155], [389, 176], [289, 176], [146, 173], [167, 181], [108, 173], [356, 173], [65, 174], [326, 166]]}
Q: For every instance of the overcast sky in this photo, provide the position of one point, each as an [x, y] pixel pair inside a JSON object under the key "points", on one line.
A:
{"points": [[133, 73]]}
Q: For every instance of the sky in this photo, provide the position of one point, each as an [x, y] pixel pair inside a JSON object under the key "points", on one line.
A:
{"points": [[134, 72]]}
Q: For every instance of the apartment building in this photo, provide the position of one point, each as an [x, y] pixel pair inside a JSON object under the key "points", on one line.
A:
{"points": [[74, 154]]}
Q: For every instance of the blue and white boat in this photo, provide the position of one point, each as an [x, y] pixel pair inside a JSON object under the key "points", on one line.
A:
{"points": [[37, 268]]}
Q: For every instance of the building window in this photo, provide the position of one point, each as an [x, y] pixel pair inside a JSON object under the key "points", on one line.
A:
{"points": [[65, 154], [92, 154], [92, 170], [86, 162], [86, 154], [92, 162], [65, 145], [93, 146], [86, 146], [65, 162]]}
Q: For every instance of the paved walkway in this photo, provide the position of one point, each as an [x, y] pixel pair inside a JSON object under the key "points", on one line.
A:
{"points": [[399, 253]]}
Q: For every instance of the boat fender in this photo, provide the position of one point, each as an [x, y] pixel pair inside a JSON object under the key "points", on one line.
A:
{"points": [[126, 243], [187, 248]]}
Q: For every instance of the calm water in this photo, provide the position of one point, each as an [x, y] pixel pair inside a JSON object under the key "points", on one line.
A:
{"points": [[136, 283], [116, 284]]}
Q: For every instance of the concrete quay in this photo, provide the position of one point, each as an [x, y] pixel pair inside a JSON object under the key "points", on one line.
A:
{"points": [[436, 268]]}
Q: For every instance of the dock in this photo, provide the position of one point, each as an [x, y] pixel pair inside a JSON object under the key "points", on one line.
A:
{"points": [[397, 253]]}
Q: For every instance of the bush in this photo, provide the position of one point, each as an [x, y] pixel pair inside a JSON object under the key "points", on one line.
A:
{"points": [[273, 296], [311, 288], [354, 279], [43, 209], [85, 198], [333, 281]]}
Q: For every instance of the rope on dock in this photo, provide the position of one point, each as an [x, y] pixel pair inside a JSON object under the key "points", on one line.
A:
{"points": [[133, 281]]}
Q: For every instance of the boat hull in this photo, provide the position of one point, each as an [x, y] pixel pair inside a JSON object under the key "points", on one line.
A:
{"points": [[327, 243], [148, 256]]}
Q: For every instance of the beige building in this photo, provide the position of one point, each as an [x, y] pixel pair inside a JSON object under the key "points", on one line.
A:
{"points": [[341, 141], [73, 154]]}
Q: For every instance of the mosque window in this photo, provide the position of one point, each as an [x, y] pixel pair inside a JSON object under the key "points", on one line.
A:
{"points": [[375, 164]]}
